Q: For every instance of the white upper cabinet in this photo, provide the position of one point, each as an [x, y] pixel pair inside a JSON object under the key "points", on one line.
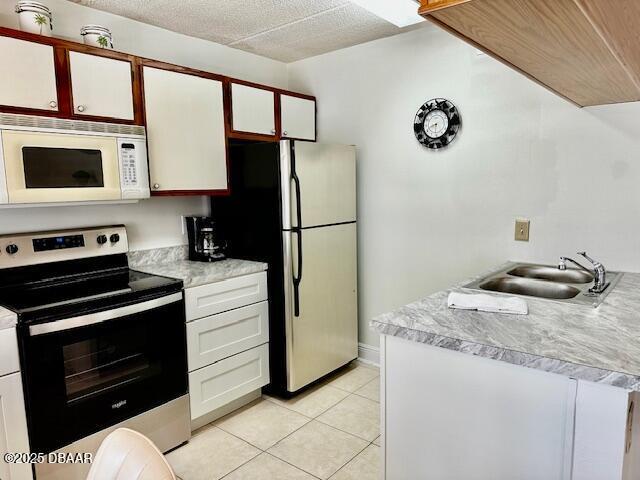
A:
{"points": [[101, 86], [28, 78], [298, 117], [185, 131], [253, 110]]}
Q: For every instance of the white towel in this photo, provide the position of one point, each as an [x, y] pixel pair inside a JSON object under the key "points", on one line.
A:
{"points": [[488, 303]]}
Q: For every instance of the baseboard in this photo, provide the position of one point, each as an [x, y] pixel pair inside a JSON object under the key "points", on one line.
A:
{"points": [[369, 354]]}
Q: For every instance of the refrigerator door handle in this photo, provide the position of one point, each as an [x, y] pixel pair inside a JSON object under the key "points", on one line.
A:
{"points": [[296, 181], [297, 277]]}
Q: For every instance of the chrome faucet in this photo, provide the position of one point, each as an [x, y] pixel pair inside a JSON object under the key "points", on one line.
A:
{"points": [[599, 273]]}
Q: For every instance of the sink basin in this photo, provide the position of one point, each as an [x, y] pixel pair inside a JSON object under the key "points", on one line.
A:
{"points": [[544, 281], [541, 272], [531, 288]]}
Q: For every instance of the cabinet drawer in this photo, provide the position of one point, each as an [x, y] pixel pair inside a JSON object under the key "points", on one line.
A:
{"points": [[9, 360], [216, 385], [219, 297], [219, 336]]}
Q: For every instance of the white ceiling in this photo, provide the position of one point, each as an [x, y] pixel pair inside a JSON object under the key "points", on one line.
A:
{"points": [[286, 30]]}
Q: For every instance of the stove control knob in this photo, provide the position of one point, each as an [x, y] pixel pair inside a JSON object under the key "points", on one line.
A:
{"points": [[114, 238], [102, 239], [12, 249]]}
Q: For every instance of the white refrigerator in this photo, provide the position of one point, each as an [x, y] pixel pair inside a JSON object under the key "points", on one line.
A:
{"points": [[320, 259], [293, 205]]}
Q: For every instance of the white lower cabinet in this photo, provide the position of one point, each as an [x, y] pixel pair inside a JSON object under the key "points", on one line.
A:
{"points": [[227, 345], [216, 385], [218, 297], [219, 336], [13, 421], [451, 415]]}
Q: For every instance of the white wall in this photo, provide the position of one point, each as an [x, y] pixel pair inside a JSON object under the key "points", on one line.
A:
{"points": [[150, 223], [155, 222], [428, 219]]}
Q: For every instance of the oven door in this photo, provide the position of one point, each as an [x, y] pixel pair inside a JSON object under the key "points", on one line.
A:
{"points": [[49, 167], [86, 373]]}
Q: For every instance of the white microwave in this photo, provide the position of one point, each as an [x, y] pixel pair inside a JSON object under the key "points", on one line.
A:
{"points": [[49, 160]]}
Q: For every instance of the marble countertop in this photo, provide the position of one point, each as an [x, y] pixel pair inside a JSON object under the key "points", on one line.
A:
{"points": [[201, 273], [596, 344], [8, 318]]}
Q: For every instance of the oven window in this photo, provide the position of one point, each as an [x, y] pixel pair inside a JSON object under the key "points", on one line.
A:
{"points": [[99, 364], [48, 167]]}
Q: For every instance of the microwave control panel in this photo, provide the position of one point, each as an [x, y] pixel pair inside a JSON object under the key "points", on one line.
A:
{"points": [[128, 159]]}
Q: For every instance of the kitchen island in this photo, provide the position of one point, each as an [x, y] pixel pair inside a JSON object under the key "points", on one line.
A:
{"points": [[548, 395]]}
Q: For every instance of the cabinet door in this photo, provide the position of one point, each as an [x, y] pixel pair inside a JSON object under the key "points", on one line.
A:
{"points": [[28, 78], [13, 427], [298, 117], [253, 110], [101, 86], [451, 415], [185, 132]]}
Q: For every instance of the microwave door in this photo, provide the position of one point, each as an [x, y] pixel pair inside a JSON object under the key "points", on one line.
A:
{"points": [[43, 167]]}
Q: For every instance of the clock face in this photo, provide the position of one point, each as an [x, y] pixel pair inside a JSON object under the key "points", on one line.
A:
{"points": [[437, 123]]}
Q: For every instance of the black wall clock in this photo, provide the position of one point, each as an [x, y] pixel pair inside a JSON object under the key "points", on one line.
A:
{"points": [[437, 123]]}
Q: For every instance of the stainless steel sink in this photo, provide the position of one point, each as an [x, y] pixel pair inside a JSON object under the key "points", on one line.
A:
{"points": [[544, 281], [553, 274], [531, 288]]}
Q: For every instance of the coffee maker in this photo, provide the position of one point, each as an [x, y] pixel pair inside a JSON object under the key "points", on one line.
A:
{"points": [[204, 243]]}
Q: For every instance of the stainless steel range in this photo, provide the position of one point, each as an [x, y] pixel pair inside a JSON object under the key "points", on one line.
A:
{"points": [[101, 345]]}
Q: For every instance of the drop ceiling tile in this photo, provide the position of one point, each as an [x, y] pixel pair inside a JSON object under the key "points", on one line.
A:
{"points": [[335, 29], [220, 21]]}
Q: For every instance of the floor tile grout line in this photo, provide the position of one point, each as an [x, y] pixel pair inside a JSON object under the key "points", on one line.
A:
{"points": [[293, 465], [348, 461], [307, 416], [327, 424], [344, 431], [263, 450], [330, 426], [243, 464]]}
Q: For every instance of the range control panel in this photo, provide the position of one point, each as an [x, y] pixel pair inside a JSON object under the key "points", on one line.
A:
{"points": [[56, 243], [24, 249]]}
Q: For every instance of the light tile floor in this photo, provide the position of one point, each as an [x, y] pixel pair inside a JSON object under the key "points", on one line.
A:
{"points": [[329, 432]]}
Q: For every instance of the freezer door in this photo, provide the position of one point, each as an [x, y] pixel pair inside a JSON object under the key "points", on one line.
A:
{"points": [[324, 335], [326, 176]]}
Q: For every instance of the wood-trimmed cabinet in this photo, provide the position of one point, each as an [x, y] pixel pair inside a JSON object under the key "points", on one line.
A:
{"points": [[189, 114], [253, 110], [101, 86], [298, 117], [263, 113], [48, 76], [185, 131], [28, 77]]}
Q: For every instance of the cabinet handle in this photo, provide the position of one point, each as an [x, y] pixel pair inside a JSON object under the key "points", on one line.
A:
{"points": [[156, 186], [81, 108], [53, 104], [285, 133], [273, 130]]}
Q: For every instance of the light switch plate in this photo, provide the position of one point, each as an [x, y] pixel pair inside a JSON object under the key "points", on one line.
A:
{"points": [[522, 230]]}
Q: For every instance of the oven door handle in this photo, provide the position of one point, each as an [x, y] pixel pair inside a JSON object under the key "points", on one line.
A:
{"points": [[99, 317]]}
